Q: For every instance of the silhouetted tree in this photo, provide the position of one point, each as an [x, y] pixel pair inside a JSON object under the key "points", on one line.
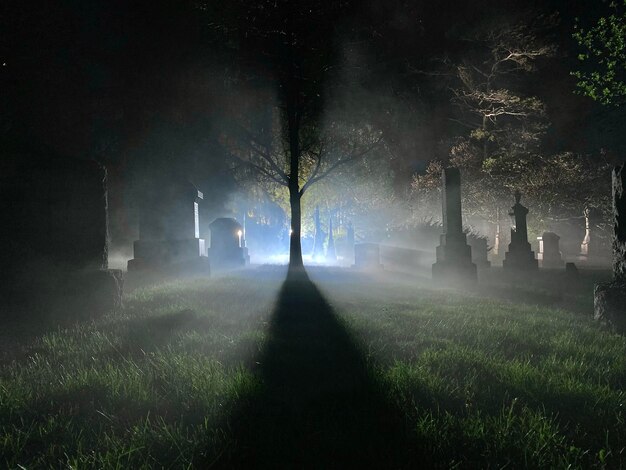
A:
{"points": [[282, 132]]}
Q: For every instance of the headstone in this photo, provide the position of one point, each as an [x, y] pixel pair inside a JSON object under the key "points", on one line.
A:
{"points": [[55, 230], [610, 297], [479, 251], [454, 255], [367, 256], [331, 252], [549, 255], [519, 257], [571, 271], [226, 251], [169, 231], [407, 260]]}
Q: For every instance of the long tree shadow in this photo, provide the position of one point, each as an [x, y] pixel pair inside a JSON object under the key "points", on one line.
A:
{"points": [[319, 406]]}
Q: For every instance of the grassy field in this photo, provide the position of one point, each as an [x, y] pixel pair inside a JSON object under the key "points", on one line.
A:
{"points": [[342, 370]]}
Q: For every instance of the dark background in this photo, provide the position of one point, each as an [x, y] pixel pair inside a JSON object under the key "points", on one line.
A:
{"points": [[137, 84]]}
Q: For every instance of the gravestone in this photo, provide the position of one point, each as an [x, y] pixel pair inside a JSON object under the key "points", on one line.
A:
{"points": [[571, 272], [406, 260], [226, 251], [55, 232], [479, 251], [169, 231], [367, 256], [331, 252], [549, 255], [519, 257], [454, 255], [610, 297]]}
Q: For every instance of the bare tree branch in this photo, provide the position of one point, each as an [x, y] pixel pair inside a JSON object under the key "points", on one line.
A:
{"points": [[265, 155], [342, 161], [261, 170]]}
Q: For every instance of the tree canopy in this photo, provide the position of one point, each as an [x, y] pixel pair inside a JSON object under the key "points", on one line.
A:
{"points": [[602, 72]]}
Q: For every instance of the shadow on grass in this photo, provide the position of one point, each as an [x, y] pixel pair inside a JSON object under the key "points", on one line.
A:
{"points": [[318, 406], [545, 288], [21, 323]]}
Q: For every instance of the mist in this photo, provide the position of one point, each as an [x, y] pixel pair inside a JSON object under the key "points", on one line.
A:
{"points": [[343, 234]]}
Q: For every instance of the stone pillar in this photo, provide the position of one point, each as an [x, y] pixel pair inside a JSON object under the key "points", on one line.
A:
{"points": [[454, 255], [519, 257], [610, 297], [549, 253]]}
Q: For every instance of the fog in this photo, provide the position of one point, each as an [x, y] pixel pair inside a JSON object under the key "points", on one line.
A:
{"points": [[312, 234]]}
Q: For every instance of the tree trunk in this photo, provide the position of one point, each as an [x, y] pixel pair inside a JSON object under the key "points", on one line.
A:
{"points": [[295, 246], [293, 120], [293, 109]]}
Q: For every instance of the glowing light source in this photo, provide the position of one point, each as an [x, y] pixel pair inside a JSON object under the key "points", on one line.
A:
{"points": [[239, 234]]}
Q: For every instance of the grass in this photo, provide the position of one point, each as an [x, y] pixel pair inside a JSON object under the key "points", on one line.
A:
{"points": [[337, 371]]}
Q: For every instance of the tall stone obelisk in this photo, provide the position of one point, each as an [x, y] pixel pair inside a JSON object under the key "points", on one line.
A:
{"points": [[454, 255]]}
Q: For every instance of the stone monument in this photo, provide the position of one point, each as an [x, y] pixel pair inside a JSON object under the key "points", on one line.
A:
{"points": [[169, 232], [610, 297], [479, 251], [549, 255], [520, 257], [55, 233], [227, 250], [454, 255], [367, 256]]}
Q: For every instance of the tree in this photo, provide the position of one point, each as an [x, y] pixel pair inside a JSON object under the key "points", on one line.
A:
{"points": [[503, 126], [490, 108], [502, 149], [602, 76], [284, 132]]}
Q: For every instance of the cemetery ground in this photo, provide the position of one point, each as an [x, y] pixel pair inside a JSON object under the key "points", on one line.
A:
{"points": [[343, 370]]}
